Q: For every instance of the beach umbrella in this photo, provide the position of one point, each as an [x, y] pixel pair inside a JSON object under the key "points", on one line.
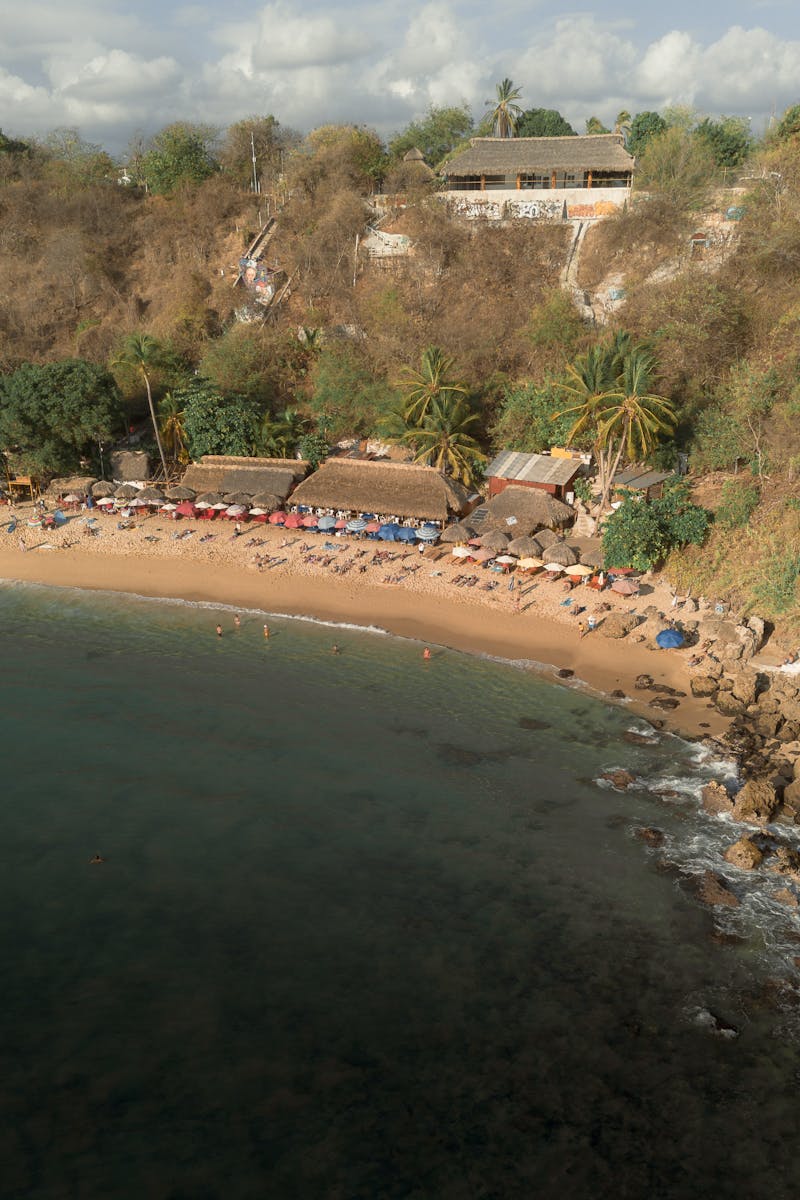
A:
{"points": [[137, 503], [126, 491], [427, 534], [495, 540], [372, 527], [257, 512], [562, 553], [267, 500], [210, 498], [357, 525], [461, 552], [102, 488], [220, 506], [406, 534], [293, 521], [457, 533], [244, 498], [592, 558], [186, 509], [200, 504], [276, 518], [476, 541], [106, 500], [546, 538], [180, 492], [340, 523], [530, 564], [388, 531], [579, 569], [625, 587], [670, 639], [71, 498], [524, 547], [152, 495], [554, 568], [168, 507], [326, 524], [507, 560], [483, 556], [235, 510], [310, 521]]}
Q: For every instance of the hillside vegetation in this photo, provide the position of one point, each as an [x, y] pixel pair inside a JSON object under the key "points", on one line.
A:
{"points": [[86, 263]]}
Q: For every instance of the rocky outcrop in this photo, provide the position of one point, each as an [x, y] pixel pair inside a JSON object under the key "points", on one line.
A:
{"points": [[786, 861], [618, 624], [786, 896], [619, 779], [712, 889], [716, 799], [745, 854], [704, 685], [756, 803], [651, 837]]}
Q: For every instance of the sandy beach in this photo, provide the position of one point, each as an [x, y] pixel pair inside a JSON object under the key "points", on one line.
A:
{"points": [[363, 583]]}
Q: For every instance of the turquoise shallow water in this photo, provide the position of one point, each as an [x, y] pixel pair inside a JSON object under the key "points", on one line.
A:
{"points": [[359, 933]]}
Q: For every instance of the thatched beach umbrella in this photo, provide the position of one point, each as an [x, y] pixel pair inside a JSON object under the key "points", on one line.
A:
{"points": [[495, 540], [126, 491], [244, 498], [267, 500], [457, 533], [210, 498], [152, 495], [102, 488], [592, 558], [563, 554], [525, 547], [180, 492], [546, 538]]}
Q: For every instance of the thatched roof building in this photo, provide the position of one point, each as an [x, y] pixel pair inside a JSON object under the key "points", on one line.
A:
{"points": [[77, 484], [597, 160], [527, 509], [228, 474], [401, 489]]}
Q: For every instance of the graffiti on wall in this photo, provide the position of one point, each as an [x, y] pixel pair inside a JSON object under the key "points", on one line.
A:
{"points": [[536, 210]]}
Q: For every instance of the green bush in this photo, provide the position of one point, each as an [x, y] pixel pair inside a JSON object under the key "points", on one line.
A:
{"points": [[777, 589], [738, 503], [639, 534]]}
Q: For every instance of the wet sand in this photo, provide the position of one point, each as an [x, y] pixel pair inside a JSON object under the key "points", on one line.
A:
{"points": [[410, 595]]}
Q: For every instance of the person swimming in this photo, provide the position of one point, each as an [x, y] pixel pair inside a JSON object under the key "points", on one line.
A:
{"points": [[219, 631], [237, 620], [426, 654], [266, 631], [335, 649], [95, 859]]}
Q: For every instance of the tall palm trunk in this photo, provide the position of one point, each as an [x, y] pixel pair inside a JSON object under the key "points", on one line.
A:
{"points": [[155, 422]]}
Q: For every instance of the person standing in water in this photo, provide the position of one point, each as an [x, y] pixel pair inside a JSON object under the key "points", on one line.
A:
{"points": [[219, 631], [237, 621], [426, 654], [266, 631]]}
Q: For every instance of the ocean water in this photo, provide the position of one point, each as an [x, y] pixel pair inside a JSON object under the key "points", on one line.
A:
{"points": [[366, 927]]}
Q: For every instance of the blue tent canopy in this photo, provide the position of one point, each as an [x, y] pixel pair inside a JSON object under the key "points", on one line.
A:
{"points": [[388, 532], [405, 534]]}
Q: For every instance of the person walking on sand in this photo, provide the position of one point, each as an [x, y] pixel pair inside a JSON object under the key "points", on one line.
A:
{"points": [[219, 631], [582, 628]]}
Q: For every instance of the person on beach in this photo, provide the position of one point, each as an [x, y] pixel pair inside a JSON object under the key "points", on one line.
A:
{"points": [[591, 624], [335, 649], [219, 631], [426, 654], [237, 621], [583, 628], [266, 631], [95, 859]]}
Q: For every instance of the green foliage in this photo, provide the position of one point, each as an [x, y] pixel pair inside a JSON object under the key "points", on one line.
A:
{"points": [[12, 145], [216, 424], [719, 442], [543, 122], [242, 362], [437, 134], [505, 112], [594, 125], [640, 534], [359, 150], [269, 140], [179, 154], [583, 490], [313, 447], [280, 436], [52, 416], [73, 162], [678, 164], [530, 419], [441, 435], [729, 139], [346, 394], [738, 502], [777, 588], [789, 124], [644, 126]]}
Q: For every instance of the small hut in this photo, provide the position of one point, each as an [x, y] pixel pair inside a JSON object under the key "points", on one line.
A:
{"points": [[229, 475], [405, 490], [549, 473], [524, 510]]}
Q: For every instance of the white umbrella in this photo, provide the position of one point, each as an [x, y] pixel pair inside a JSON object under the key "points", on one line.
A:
{"points": [[506, 558], [235, 510], [461, 552], [221, 507], [202, 504], [71, 498], [556, 568], [258, 512], [168, 507], [106, 500], [136, 503], [579, 569], [529, 564]]}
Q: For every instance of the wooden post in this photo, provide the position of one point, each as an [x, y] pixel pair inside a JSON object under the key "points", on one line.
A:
{"points": [[589, 184], [483, 183], [552, 179], [519, 182]]}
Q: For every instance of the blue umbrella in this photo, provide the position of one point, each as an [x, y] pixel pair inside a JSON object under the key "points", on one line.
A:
{"points": [[670, 639], [326, 523], [388, 532], [427, 534], [357, 525], [405, 534]]}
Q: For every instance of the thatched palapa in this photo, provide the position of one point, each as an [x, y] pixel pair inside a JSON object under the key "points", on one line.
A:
{"points": [[534, 161], [228, 475], [532, 509], [78, 484], [401, 489]]}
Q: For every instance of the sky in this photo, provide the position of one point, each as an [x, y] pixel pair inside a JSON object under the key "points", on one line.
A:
{"points": [[114, 69]]}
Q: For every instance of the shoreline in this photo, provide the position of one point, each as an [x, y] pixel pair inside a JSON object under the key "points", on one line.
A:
{"points": [[466, 622]]}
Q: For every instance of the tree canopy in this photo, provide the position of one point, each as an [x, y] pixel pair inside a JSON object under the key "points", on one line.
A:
{"points": [[177, 155], [543, 122], [215, 424], [644, 126], [436, 134], [504, 112], [54, 415]]}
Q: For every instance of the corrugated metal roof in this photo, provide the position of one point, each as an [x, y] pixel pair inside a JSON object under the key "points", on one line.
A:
{"points": [[533, 468], [499, 156], [638, 478]]}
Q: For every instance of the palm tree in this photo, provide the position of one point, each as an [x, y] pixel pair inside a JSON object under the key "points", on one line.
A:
{"points": [[634, 418], [595, 125], [431, 382], [280, 435], [623, 123], [140, 352], [444, 439], [505, 112], [170, 419]]}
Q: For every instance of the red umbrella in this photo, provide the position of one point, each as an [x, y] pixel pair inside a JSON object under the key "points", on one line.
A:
{"points": [[309, 522], [372, 527], [625, 587], [277, 518], [186, 509], [293, 521], [340, 524]]}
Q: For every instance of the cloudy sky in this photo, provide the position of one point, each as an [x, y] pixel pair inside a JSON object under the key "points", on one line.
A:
{"points": [[112, 68]]}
